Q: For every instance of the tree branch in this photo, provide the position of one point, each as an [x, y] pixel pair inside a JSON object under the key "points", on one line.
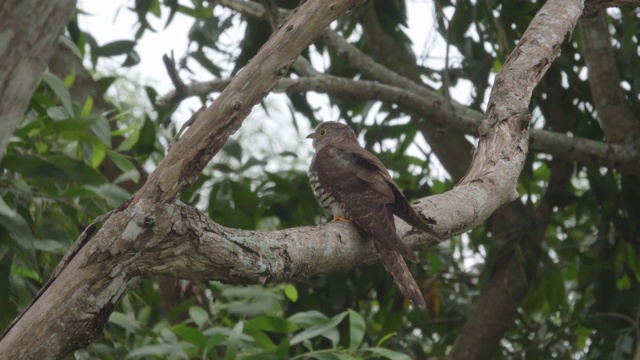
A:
{"points": [[593, 6], [616, 118], [523, 230], [624, 157]]}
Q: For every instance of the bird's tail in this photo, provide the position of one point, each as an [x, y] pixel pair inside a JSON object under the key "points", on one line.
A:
{"points": [[397, 268]]}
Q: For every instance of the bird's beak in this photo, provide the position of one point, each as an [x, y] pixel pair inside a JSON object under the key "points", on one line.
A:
{"points": [[311, 136]]}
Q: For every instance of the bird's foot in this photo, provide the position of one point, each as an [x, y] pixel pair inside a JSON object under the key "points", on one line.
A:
{"points": [[340, 218]]}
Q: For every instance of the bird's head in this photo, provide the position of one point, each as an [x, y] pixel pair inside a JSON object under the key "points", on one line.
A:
{"points": [[330, 131]]}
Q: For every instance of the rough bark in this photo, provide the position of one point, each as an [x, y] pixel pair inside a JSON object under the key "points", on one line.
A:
{"points": [[29, 32]]}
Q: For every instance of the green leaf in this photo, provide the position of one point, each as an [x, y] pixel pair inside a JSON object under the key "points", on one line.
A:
{"points": [[146, 139], [169, 336], [153, 351], [261, 339], [129, 175], [129, 141], [555, 289], [114, 48], [50, 246], [100, 127], [33, 166], [121, 162], [320, 329], [18, 229], [214, 340], [70, 44], [86, 108], [132, 59], [206, 63], [127, 323], [385, 338], [57, 86], [271, 324], [233, 149], [233, 341], [78, 171], [199, 315], [57, 113], [114, 195], [8, 306], [308, 318], [97, 156], [389, 354], [291, 292], [356, 329]]}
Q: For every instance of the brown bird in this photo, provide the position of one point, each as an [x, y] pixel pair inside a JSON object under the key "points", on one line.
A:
{"points": [[353, 185]]}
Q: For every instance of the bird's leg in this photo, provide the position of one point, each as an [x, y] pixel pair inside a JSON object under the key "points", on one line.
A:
{"points": [[340, 218]]}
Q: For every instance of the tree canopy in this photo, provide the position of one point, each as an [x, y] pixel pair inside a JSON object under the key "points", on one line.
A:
{"points": [[124, 234]]}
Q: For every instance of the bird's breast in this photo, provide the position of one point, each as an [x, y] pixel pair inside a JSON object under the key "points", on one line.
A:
{"points": [[326, 199]]}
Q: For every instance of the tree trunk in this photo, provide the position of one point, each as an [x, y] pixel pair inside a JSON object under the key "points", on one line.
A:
{"points": [[29, 32]]}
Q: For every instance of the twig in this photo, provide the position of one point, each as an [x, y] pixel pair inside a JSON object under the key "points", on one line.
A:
{"points": [[170, 64]]}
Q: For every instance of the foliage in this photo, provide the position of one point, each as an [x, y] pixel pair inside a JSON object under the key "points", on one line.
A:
{"points": [[582, 300]]}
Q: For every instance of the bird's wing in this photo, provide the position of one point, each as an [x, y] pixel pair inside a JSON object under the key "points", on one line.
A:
{"points": [[382, 181], [406, 212], [384, 184], [364, 195]]}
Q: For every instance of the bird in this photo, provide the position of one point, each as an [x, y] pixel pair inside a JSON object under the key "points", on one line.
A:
{"points": [[354, 186]]}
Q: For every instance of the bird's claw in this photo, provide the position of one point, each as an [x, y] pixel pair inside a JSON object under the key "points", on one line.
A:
{"points": [[340, 218]]}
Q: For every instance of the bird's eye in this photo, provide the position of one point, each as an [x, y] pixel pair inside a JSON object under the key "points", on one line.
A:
{"points": [[322, 132]]}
